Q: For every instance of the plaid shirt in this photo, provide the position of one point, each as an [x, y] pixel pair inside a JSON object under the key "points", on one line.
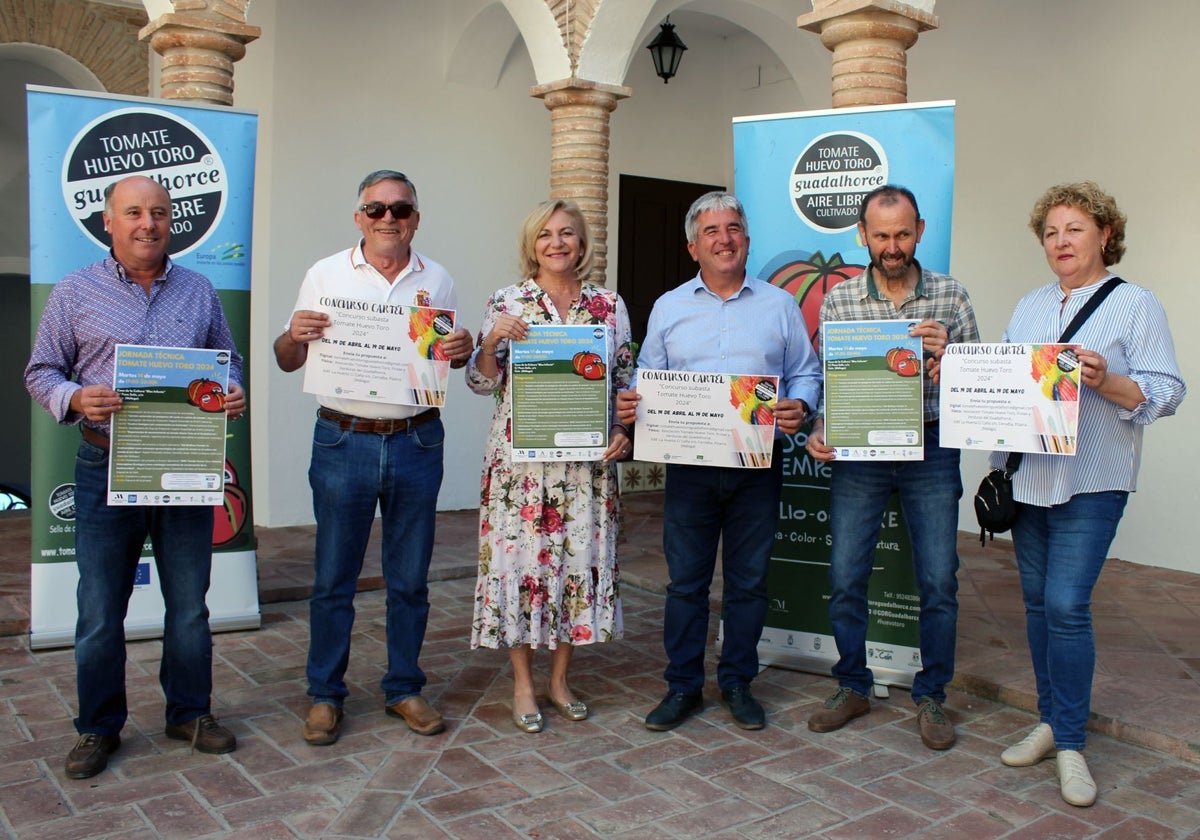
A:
{"points": [[937, 296]]}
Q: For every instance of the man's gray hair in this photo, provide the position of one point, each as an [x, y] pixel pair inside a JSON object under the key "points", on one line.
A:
{"points": [[713, 201], [381, 175]]}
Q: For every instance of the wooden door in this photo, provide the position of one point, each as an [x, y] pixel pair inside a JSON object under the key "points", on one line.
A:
{"points": [[653, 248]]}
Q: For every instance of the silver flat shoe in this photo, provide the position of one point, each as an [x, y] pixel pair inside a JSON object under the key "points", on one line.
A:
{"points": [[576, 710], [529, 724]]}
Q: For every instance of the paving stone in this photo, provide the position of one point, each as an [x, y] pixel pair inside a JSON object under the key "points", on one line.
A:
{"points": [[886, 822], [179, 816], [607, 776]]}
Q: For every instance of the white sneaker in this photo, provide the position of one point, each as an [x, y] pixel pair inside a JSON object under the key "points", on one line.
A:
{"points": [[1037, 745], [1075, 782]]}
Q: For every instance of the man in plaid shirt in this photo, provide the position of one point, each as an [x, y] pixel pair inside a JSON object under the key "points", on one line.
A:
{"points": [[895, 287]]}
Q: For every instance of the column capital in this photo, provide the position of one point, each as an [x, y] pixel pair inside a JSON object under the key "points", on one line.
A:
{"points": [[827, 10], [869, 40], [243, 32], [587, 91], [198, 52]]}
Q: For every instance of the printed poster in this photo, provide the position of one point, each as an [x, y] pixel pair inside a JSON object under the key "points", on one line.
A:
{"points": [[168, 439], [873, 400], [559, 386], [380, 352], [705, 419], [1010, 397]]}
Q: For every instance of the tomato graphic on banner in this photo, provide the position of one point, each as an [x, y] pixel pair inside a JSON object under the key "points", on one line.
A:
{"points": [[809, 280], [229, 518]]}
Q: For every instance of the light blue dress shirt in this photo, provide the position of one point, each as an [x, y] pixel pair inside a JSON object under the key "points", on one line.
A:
{"points": [[758, 330]]}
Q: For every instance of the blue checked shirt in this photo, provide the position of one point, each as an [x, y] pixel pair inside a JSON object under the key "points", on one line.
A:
{"points": [[1129, 329], [96, 307]]}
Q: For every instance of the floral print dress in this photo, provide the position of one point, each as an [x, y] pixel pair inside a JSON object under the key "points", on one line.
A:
{"points": [[547, 530]]}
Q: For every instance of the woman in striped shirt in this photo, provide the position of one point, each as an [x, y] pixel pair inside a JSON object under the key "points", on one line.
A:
{"points": [[1068, 508]]}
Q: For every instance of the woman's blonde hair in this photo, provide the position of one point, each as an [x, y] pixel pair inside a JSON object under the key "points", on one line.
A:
{"points": [[1088, 197], [532, 226]]}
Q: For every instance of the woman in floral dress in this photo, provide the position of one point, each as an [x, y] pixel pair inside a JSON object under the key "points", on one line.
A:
{"points": [[547, 530]]}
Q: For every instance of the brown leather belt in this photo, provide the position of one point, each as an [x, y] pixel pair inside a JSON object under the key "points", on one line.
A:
{"points": [[378, 426], [94, 437]]}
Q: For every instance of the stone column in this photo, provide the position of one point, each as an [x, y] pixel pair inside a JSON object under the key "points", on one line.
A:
{"points": [[198, 51], [579, 116], [869, 40]]}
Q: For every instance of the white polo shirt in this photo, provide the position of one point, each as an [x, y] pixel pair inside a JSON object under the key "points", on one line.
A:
{"points": [[347, 274]]}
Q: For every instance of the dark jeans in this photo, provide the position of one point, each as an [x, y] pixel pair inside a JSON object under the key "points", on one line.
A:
{"points": [[740, 509], [929, 493], [108, 546], [352, 472]]}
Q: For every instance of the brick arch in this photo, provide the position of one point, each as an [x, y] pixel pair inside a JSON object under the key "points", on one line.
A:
{"points": [[103, 39]]}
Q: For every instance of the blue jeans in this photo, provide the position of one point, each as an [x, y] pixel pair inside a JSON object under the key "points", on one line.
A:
{"points": [[108, 546], [739, 508], [350, 473], [1060, 551], [929, 492]]}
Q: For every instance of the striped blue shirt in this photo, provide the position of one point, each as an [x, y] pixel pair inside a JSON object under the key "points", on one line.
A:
{"points": [[96, 307], [759, 330], [1129, 329]]}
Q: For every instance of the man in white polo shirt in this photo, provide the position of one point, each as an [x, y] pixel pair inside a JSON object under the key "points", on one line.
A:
{"points": [[368, 453]]}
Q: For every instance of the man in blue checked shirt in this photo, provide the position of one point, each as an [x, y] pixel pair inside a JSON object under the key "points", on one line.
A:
{"points": [[894, 286], [722, 321], [136, 295]]}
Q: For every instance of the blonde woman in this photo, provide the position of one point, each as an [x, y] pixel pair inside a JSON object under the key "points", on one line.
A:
{"points": [[548, 530]]}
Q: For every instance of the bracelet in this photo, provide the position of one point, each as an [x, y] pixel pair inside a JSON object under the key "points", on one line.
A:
{"points": [[486, 352], [622, 427]]}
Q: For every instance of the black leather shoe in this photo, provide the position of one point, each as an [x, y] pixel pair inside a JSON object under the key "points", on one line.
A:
{"points": [[90, 754], [675, 708], [747, 712]]}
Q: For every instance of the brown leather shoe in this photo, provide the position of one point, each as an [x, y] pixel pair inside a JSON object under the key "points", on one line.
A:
{"points": [[419, 715], [206, 735], [937, 732], [90, 754], [842, 707], [321, 726]]}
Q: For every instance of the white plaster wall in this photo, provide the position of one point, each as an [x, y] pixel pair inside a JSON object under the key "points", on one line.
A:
{"points": [[479, 157], [334, 109], [683, 130], [1073, 90], [254, 90], [1046, 92], [678, 131]]}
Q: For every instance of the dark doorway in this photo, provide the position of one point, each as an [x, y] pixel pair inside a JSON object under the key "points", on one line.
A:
{"points": [[15, 420], [653, 249]]}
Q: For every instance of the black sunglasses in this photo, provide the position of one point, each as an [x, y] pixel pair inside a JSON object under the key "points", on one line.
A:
{"points": [[376, 209]]}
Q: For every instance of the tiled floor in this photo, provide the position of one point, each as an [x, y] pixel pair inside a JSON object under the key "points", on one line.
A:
{"points": [[607, 776]]}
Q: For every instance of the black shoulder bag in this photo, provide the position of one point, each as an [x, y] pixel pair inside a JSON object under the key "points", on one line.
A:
{"points": [[995, 508]]}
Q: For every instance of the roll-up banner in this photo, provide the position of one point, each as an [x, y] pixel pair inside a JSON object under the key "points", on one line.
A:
{"points": [[79, 144], [801, 178]]}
